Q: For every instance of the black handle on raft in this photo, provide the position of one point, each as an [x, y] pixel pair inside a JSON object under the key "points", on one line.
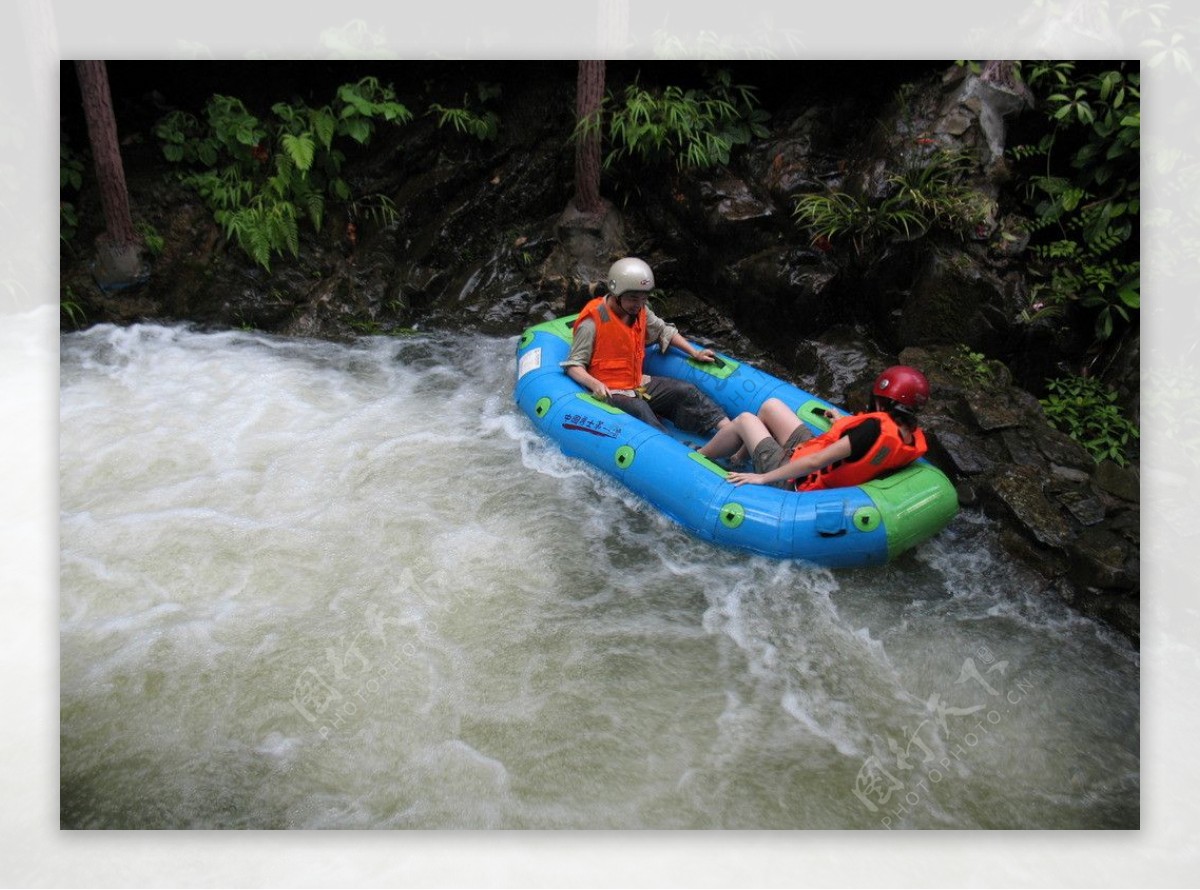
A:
{"points": [[717, 360]]}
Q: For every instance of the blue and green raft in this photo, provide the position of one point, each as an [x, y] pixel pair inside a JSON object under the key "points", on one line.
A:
{"points": [[859, 525]]}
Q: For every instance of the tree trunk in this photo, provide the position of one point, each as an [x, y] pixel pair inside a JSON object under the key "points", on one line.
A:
{"points": [[119, 246], [589, 95], [612, 28], [106, 150]]}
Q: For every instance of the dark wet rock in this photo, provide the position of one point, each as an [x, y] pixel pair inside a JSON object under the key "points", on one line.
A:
{"points": [[1019, 490], [957, 298], [837, 364], [995, 410], [1022, 450], [1069, 475], [587, 244], [983, 101], [1052, 563], [1060, 449], [788, 275], [958, 451], [1117, 609], [1100, 558], [1122, 482], [796, 161], [487, 239], [729, 203], [1089, 511], [968, 494]]}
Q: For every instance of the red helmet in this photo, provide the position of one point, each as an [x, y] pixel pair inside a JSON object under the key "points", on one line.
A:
{"points": [[905, 386]]}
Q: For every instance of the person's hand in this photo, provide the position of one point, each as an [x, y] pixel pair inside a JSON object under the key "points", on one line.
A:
{"points": [[745, 478], [600, 391], [705, 355]]}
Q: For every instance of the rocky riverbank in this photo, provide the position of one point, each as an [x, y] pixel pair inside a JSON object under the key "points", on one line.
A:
{"points": [[483, 242]]}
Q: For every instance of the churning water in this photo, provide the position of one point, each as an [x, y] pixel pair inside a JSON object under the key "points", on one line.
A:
{"points": [[314, 585]]}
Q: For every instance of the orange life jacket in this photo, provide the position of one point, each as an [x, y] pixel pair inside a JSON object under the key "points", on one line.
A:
{"points": [[619, 350], [890, 452]]}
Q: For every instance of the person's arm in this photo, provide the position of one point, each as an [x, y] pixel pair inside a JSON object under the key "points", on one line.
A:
{"points": [[667, 335], [793, 469], [580, 356], [700, 355], [580, 375]]}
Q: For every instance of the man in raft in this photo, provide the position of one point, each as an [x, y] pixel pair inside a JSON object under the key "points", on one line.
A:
{"points": [[856, 449], [611, 334]]}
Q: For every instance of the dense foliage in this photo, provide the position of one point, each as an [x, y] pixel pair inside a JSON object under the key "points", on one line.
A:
{"points": [[260, 178], [933, 191], [690, 128], [1075, 188], [473, 117], [1087, 411], [1081, 184]]}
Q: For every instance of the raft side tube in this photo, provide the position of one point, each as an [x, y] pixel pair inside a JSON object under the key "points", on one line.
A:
{"points": [[740, 387], [855, 526], [915, 504]]}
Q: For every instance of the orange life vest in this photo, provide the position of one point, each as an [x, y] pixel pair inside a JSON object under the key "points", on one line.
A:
{"points": [[619, 350], [890, 452]]}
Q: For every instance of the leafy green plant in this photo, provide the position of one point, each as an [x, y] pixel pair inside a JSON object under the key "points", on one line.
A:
{"points": [[68, 222], [1086, 410], [483, 125], [932, 193], [154, 242], [262, 227], [260, 178], [695, 129], [969, 366], [229, 131], [378, 208], [70, 308], [1084, 193], [70, 169]]}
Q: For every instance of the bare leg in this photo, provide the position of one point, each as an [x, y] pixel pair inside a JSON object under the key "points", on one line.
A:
{"points": [[779, 419], [739, 456], [743, 432]]}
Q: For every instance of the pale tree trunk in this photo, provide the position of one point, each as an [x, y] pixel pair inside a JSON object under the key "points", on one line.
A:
{"points": [[106, 150], [612, 28], [41, 46], [31, 97], [118, 248], [589, 95]]}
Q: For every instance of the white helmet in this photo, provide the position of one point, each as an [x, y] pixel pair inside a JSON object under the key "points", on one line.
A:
{"points": [[628, 274]]}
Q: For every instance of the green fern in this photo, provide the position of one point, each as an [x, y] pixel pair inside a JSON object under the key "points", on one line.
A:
{"points": [[300, 148], [930, 195], [70, 308], [483, 126], [1086, 410], [150, 237], [1085, 200], [260, 177], [378, 208], [694, 129]]}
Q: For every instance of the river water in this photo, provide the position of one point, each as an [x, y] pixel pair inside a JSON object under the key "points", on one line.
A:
{"points": [[315, 585]]}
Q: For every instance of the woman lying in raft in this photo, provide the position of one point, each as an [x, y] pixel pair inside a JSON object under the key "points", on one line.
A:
{"points": [[856, 449]]}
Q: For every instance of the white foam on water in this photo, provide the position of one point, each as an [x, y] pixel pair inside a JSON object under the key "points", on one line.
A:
{"points": [[348, 585]]}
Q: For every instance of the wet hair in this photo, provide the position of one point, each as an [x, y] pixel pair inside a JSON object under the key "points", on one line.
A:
{"points": [[896, 411]]}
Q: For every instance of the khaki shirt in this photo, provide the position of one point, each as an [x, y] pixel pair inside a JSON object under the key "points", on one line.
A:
{"points": [[657, 331]]}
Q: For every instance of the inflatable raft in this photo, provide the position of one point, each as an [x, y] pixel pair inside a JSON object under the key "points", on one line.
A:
{"points": [[867, 524]]}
